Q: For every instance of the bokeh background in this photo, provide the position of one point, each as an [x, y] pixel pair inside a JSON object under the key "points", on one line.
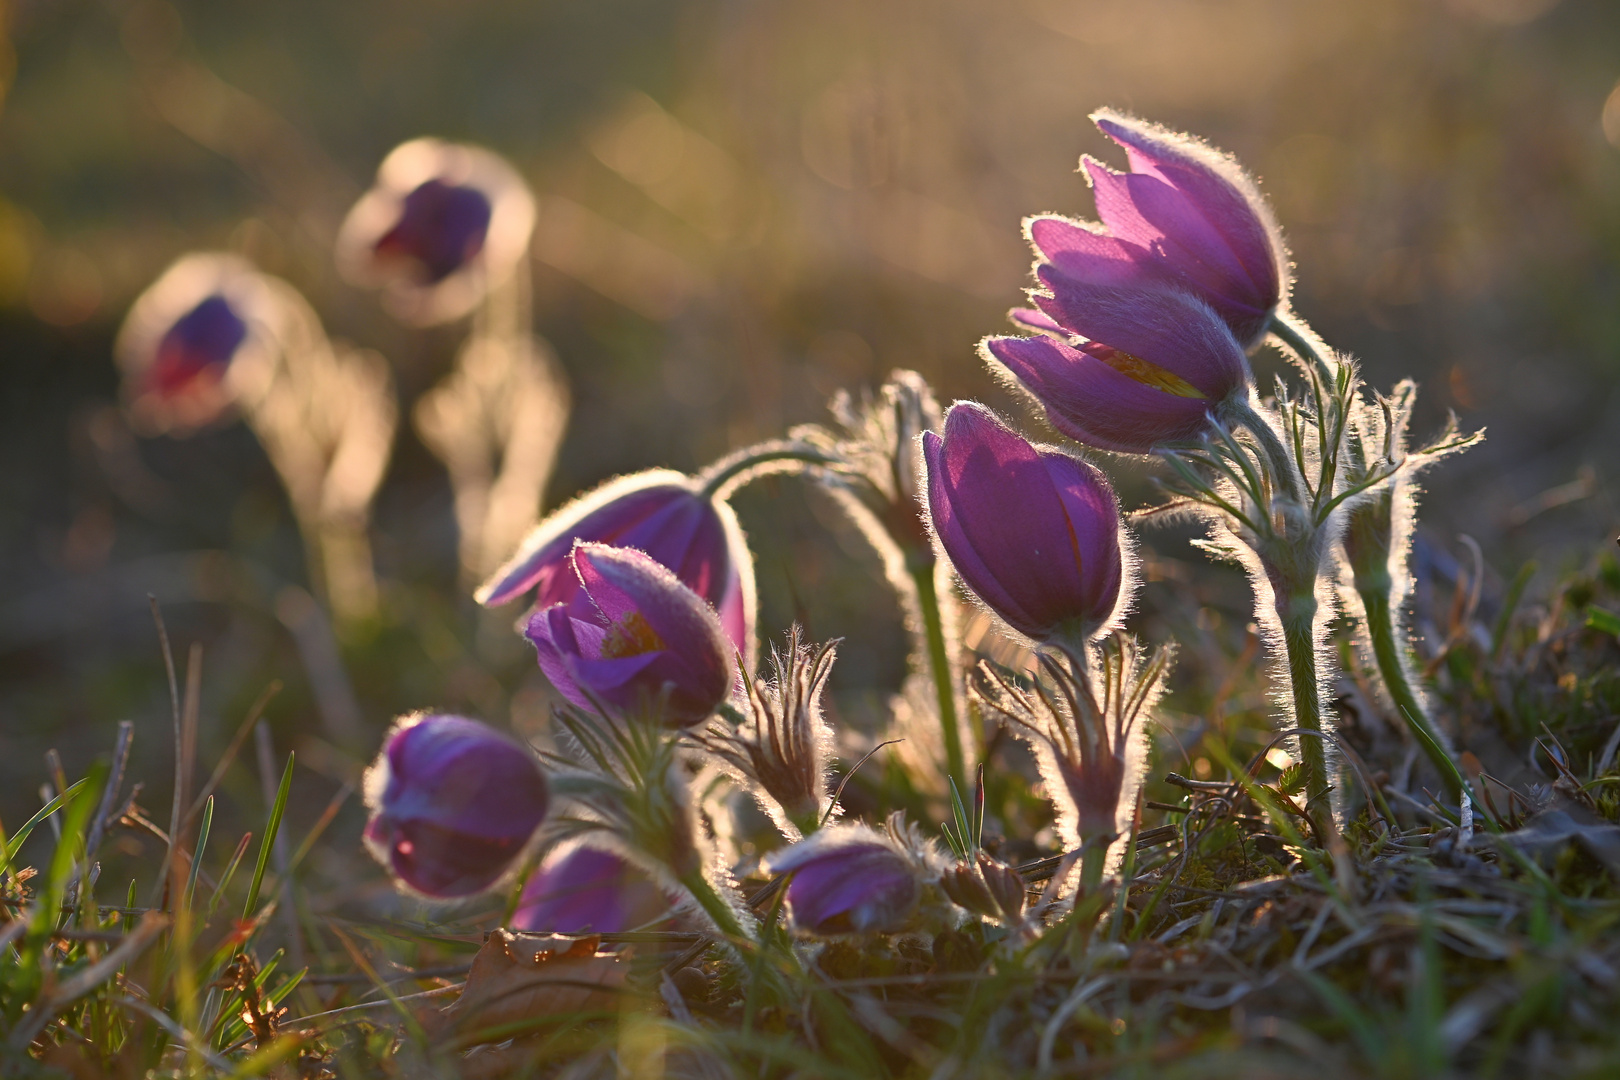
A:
{"points": [[744, 205]]}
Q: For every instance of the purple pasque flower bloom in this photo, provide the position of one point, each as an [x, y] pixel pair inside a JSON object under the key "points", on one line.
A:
{"points": [[632, 636], [1124, 369], [578, 889], [443, 224], [1186, 215], [851, 879], [660, 512], [207, 332], [453, 803], [1033, 532]]}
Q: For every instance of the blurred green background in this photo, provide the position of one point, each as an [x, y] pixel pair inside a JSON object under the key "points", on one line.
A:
{"points": [[744, 205]]}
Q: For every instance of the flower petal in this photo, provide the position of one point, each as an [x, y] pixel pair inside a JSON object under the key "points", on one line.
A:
{"points": [[1092, 402]]}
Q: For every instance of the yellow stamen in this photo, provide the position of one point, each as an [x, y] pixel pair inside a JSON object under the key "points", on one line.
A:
{"points": [[632, 637], [1143, 371]]}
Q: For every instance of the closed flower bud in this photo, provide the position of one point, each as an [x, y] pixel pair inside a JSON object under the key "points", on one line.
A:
{"points": [[453, 803], [850, 879], [1124, 368], [660, 512], [986, 886], [1034, 533], [202, 336], [1186, 215], [579, 889], [443, 224], [634, 637]]}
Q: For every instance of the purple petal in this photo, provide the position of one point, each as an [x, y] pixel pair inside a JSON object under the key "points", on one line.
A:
{"points": [[1039, 322], [583, 890], [1093, 512], [1001, 521], [1167, 328], [1094, 404], [1085, 253]]}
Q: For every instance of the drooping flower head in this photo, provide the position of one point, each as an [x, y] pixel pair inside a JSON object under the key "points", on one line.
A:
{"points": [[634, 636], [1124, 368], [453, 803], [443, 224], [203, 335], [852, 879], [1186, 215], [578, 889], [660, 512], [1033, 532]]}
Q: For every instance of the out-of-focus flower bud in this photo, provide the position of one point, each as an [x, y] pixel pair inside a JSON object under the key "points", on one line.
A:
{"points": [[443, 224], [986, 886], [1185, 215], [1034, 533], [202, 336], [660, 512], [633, 637], [578, 889], [1123, 369], [453, 803], [850, 879]]}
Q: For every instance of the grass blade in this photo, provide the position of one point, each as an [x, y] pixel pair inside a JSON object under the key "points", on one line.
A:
{"points": [[271, 827]]}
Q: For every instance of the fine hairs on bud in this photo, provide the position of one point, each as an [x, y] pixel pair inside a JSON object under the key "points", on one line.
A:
{"points": [[782, 748], [1086, 723]]}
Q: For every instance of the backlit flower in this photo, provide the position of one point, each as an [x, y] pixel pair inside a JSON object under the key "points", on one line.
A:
{"points": [[1034, 533], [205, 333], [1186, 215], [453, 803], [851, 879], [632, 637], [443, 225], [660, 512]]}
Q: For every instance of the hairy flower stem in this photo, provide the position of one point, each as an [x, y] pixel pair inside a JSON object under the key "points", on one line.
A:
{"points": [[1293, 332], [730, 473], [939, 663], [1381, 631], [715, 907], [1297, 612]]}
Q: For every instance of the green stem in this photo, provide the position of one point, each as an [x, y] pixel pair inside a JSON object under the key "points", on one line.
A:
{"points": [[1298, 615], [1386, 651], [1239, 408], [1093, 860], [719, 477], [720, 912], [939, 662], [1297, 335]]}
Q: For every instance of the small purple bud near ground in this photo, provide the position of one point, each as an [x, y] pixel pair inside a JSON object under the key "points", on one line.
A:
{"points": [[1186, 215], [453, 803], [659, 512], [441, 228], [848, 880], [632, 637], [583, 889], [1034, 533]]}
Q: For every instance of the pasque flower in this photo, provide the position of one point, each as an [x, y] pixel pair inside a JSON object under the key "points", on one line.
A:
{"points": [[1186, 215], [852, 879], [443, 224], [578, 889], [660, 512], [1124, 368], [1033, 532], [634, 636], [203, 334], [453, 802]]}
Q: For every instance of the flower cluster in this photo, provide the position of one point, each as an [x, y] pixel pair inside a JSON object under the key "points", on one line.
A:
{"points": [[644, 613]]}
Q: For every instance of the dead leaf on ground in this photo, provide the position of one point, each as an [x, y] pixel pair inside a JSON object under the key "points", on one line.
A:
{"points": [[525, 979]]}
